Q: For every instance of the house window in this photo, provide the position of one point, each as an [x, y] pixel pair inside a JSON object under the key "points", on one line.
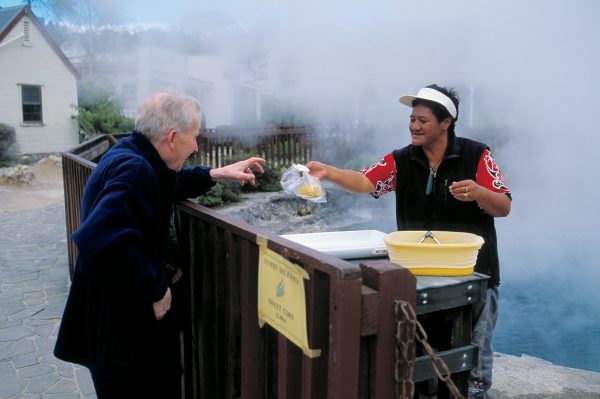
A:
{"points": [[32, 104]]}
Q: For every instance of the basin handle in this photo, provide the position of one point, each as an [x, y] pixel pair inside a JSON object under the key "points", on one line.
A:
{"points": [[429, 234]]}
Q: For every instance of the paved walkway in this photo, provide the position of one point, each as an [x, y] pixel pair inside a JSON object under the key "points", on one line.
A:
{"points": [[33, 289]]}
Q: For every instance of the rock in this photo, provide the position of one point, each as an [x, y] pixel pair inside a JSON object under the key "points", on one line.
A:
{"points": [[48, 170], [23, 187], [18, 174], [528, 377], [285, 214]]}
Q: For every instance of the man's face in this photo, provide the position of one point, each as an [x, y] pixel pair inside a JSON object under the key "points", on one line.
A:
{"points": [[184, 145]]}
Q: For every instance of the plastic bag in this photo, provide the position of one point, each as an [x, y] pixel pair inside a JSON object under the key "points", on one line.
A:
{"points": [[296, 180]]}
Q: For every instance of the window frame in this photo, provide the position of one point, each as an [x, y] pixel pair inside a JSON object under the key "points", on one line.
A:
{"points": [[28, 103]]}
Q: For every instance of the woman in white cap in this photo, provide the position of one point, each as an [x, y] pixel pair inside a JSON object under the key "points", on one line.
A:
{"points": [[442, 182]]}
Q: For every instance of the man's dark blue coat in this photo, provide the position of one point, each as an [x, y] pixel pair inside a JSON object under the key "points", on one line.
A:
{"points": [[108, 323]]}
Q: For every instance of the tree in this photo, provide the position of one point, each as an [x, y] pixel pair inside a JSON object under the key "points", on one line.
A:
{"points": [[99, 112], [9, 149], [82, 19], [88, 13]]}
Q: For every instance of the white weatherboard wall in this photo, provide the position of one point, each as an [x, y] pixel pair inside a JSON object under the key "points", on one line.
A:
{"points": [[36, 63], [217, 103]]}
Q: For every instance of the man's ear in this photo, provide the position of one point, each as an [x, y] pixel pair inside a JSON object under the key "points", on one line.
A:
{"points": [[171, 138]]}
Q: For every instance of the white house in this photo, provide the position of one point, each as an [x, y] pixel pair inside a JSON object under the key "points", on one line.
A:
{"points": [[38, 85], [209, 78]]}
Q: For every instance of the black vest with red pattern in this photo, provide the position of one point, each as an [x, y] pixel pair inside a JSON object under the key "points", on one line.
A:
{"points": [[440, 210]]}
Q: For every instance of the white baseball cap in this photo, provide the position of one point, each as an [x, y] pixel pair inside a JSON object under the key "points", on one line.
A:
{"points": [[427, 93]]}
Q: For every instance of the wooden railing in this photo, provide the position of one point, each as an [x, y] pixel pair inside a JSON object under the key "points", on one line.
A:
{"points": [[77, 166], [349, 308], [279, 147]]}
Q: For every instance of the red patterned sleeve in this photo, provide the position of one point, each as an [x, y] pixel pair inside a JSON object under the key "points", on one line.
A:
{"points": [[382, 175], [489, 176]]}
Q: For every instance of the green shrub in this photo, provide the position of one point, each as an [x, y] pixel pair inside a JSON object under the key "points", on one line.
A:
{"points": [[219, 194], [227, 192], [9, 149], [100, 113], [266, 182]]}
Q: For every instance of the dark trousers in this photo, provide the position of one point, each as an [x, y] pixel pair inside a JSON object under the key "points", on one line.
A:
{"points": [[165, 390], [162, 380]]}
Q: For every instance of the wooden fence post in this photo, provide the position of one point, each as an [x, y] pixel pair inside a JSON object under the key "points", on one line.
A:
{"points": [[393, 283]]}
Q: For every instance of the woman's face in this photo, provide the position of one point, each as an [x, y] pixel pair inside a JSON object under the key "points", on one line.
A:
{"points": [[425, 130]]}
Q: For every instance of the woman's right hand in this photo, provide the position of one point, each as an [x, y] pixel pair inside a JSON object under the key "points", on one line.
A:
{"points": [[349, 180], [317, 169]]}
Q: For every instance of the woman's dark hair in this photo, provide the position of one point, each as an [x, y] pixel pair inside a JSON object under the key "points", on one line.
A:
{"points": [[438, 109]]}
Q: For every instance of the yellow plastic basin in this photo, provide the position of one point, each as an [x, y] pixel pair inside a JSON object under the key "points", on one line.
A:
{"points": [[454, 255]]}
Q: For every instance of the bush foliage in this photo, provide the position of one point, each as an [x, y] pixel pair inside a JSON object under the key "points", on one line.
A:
{"points": [[219, 194], [9, 149], [227, 192], [100, 113], [265, 182]]}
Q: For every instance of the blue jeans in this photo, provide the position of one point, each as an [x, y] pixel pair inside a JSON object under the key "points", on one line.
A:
{"points": [[484, 317]]}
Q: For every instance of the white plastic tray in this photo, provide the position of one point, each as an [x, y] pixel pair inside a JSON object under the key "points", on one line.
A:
{"points": [[344, 244]]}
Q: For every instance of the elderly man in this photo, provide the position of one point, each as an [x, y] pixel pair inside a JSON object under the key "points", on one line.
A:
{"points": [[116, 321]]}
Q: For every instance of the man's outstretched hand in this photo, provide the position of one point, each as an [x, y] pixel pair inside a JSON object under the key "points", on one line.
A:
{"points": [[242, 171]]}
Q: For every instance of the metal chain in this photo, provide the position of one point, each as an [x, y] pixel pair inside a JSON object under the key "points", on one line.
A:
{"points": [[405, 355], [408, 330]]}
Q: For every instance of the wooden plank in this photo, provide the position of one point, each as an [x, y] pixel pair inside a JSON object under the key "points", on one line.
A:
{"points": [[252, 377], [344, 341], [367, 349], [393, 283], [289, 370], [270, 339], [219, 319], [314, 376], [369, 311], [190, 338], [205, 318], [232, 316], [281, 157], [460, 335], [211, 152], [96, 151], [291, 148], [112, 139], [458, 359], [199, 281], [447, 297]]}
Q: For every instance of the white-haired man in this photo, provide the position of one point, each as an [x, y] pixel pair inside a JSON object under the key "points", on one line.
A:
{"points": [[117, 321]]}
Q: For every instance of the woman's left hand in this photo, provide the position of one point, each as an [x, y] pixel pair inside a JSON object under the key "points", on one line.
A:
{"points": [[465, 190]]}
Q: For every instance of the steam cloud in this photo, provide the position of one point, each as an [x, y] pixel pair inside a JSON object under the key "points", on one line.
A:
{"points": [[527, 72]]}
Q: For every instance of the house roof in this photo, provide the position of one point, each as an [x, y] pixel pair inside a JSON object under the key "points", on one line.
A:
{"points": [[10, 17], [7, 15]]}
